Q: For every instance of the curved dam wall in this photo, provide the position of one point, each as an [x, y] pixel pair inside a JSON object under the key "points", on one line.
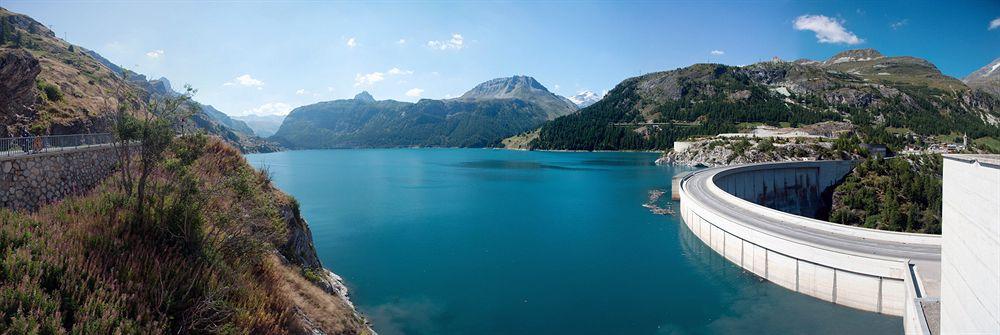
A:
{"points": [[836, 263], [791, 188]]}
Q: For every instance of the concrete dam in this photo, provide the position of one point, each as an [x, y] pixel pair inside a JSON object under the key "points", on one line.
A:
{"points": [[758, 217]]}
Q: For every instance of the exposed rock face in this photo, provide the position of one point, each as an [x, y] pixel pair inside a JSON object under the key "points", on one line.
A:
{"points": [[525, 88], [18, 70], [986, 79], [299, 250], [719, 152]]}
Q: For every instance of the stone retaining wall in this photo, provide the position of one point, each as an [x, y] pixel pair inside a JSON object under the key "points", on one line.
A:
{"points": [[29, 181]]}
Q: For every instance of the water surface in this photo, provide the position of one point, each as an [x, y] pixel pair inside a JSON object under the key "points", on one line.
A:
{"points": [[479, 241]]}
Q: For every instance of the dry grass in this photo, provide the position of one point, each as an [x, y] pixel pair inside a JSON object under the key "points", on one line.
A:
{"points": [[202, 263]]}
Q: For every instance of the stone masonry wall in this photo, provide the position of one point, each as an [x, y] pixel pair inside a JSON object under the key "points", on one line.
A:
{"points": [[31, 181]]}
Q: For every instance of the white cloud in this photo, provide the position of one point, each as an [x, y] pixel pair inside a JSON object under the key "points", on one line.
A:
{"points": [[351, 42], [245, 80], [329, 88], [397, 71], [995, 23], [301, 91], [556, 86], [717, 52], [401, 41], [154, 54], [827, 29], [899, 24], [270, 108], [368, 79], [414, 92], [455, 43]]}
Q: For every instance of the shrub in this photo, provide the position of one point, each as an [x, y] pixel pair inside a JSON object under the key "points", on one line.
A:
{"points": [[50, 92]]}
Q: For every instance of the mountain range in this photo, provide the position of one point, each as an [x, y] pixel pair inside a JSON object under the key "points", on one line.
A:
{"points": [[481, 117], [863, 86], [986, 79], [49, 86]]}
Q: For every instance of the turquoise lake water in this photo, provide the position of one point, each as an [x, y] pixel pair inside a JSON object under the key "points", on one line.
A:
{"points": [[480, 241]]}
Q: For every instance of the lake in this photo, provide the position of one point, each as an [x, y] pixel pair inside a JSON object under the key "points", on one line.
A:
{"points": [[481, 241]]}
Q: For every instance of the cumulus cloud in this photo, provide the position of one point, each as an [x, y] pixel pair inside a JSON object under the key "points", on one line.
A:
{"points": [[270, 108], [455, 43], [995, 23], [401, 41], [301, 91], [396, 71], [717, 52], [351, 42], [155, 54], [368, 79], [245, 80], [827, 29], [414, 92]]}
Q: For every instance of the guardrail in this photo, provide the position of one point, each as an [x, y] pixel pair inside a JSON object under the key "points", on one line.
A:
{"points": [[29, 145]]}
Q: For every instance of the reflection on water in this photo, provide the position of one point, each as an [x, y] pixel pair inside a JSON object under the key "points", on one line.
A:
{"points": [[514, 165], [757, 304], [471, 241]]}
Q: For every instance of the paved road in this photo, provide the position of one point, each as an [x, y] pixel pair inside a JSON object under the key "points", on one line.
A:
{"points": [[926, 256]]}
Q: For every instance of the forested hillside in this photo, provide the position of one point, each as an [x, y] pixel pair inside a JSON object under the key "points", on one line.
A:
{"points": [[862, 86], [898, 194], [482, 117]]}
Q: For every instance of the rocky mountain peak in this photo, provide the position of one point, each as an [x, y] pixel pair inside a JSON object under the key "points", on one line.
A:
{"points": [[509, 87], [856, 55], [986, 79], [364, 96]]}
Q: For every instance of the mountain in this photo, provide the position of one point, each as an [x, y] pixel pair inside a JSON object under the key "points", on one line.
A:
{"points": [[481, 117], [585, 98], [863, 86], [262, 125], [986, 79], [49, 86], [524, 88]]}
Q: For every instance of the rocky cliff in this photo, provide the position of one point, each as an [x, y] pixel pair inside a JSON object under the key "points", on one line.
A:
{"points": [[733, 151], [50, 86]]}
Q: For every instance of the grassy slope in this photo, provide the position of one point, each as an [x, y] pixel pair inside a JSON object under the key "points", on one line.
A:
{"points": [[204, 261]]}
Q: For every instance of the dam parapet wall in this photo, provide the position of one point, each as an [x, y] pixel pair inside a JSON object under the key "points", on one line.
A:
{"points": [[851, 266]]}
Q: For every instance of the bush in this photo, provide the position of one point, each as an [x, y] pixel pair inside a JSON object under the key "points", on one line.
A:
{"points": [[50, 92]]}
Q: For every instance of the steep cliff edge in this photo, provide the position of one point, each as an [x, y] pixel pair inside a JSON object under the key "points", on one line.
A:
{"points": [[216, 248]]}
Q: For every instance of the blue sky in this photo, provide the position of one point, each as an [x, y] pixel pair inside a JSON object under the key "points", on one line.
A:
{"points": [[269, 57]]}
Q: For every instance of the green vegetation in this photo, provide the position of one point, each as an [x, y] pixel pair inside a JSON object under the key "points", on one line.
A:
{"points": [[702, 100], [439, 123], [50, 92], [728, 99], [991, 144], [897, 194], [182, 239], [194, 261]]}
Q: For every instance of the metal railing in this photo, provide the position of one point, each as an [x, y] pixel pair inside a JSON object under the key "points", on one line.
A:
{"points": [[29, 145]]}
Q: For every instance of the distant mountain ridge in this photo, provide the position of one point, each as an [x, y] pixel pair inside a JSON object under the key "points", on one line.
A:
{"points": [[54, 87], [481, 117], [863, 86], [585, 98], [986, 78], [525, 88]]}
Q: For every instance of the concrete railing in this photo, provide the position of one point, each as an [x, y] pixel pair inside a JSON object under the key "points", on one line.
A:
{"points": [[825, 226], [852, 266]]}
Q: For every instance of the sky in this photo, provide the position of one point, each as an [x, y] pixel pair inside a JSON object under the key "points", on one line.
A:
{"points": [[253, 57]]}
